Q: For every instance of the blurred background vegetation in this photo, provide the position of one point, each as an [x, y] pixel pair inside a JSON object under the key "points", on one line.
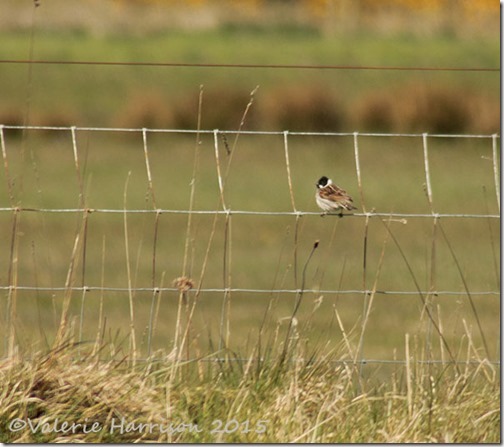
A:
{"points": [[427, 33]]}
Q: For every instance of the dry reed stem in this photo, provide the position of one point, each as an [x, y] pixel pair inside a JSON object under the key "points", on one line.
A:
{"points": [[240, 127], [13, 281], [83, 271], [441, 344], [409, 392], [155, 238], [182, 297], [100, 328], [371, 299], [193, 182], [325, 261], [13, 256], [133, 350], [492, 242], [482, 362], [62, 329], [299, 297]]}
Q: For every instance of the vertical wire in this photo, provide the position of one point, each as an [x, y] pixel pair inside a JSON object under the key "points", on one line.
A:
{"points": [[364, 255], [496, 169], [432, 279], [154, 244], [226, 235], [219, 174], [358, 170], [147, 166], [293, 203], [427, 170], [287, 165]]}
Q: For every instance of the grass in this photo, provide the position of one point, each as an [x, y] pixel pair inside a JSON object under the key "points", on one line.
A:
{"points": [[152, 357], [303, 400], [261, 248]]}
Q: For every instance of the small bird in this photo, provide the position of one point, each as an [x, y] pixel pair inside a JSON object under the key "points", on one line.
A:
{"points": [[331, 197]]}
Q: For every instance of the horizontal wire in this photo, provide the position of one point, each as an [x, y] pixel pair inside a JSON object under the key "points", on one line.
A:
{"points": [[339, 362], [243, 132], [227, 65], [241, 290], [212, 359], [246, 213]]}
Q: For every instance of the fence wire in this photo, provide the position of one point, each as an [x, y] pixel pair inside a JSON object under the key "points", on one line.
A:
{"points": [[226, 211]]}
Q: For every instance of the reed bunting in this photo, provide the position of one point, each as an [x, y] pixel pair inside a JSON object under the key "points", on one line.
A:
{"points": [[332, 198]]}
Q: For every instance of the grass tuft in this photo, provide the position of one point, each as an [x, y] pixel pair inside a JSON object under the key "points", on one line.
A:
{"points": [[214, 401]]}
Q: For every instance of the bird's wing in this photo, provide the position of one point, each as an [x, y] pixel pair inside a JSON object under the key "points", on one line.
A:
{"points": [[335, 193]]}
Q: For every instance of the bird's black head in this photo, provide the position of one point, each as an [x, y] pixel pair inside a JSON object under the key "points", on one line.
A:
{"points": [[323, 181]]}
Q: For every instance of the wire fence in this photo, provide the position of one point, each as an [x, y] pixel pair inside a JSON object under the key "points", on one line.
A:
{"points": [[11, 284]]}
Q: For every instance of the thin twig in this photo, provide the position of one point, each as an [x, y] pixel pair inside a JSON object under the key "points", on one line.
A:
{"points": [[420, 294], [466, 287], [298, 304], [128, 271]]}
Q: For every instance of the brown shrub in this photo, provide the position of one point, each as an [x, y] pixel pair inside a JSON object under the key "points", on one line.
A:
{"points": [[148, 110], [374, 113], [302, 108], [56, 118], [432, 109], [49, 118], [12, 117], [486, 114], [422, 108], [221, 109]]}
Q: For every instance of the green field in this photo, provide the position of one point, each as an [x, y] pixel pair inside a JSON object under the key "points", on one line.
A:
{"points": [[254, 251], [430, 277], [136, 96]]}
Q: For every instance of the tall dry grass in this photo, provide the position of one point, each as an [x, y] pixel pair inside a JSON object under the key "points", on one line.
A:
{"points": [[306, 399]]}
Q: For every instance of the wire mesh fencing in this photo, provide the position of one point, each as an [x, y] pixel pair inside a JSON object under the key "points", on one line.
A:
{"points": [[172, 236]]}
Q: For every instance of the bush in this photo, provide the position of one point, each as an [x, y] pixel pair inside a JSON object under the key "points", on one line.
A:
{"points": [[302, 108], [148, 110], [417, 107], [432, 109], [222, 108]]}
